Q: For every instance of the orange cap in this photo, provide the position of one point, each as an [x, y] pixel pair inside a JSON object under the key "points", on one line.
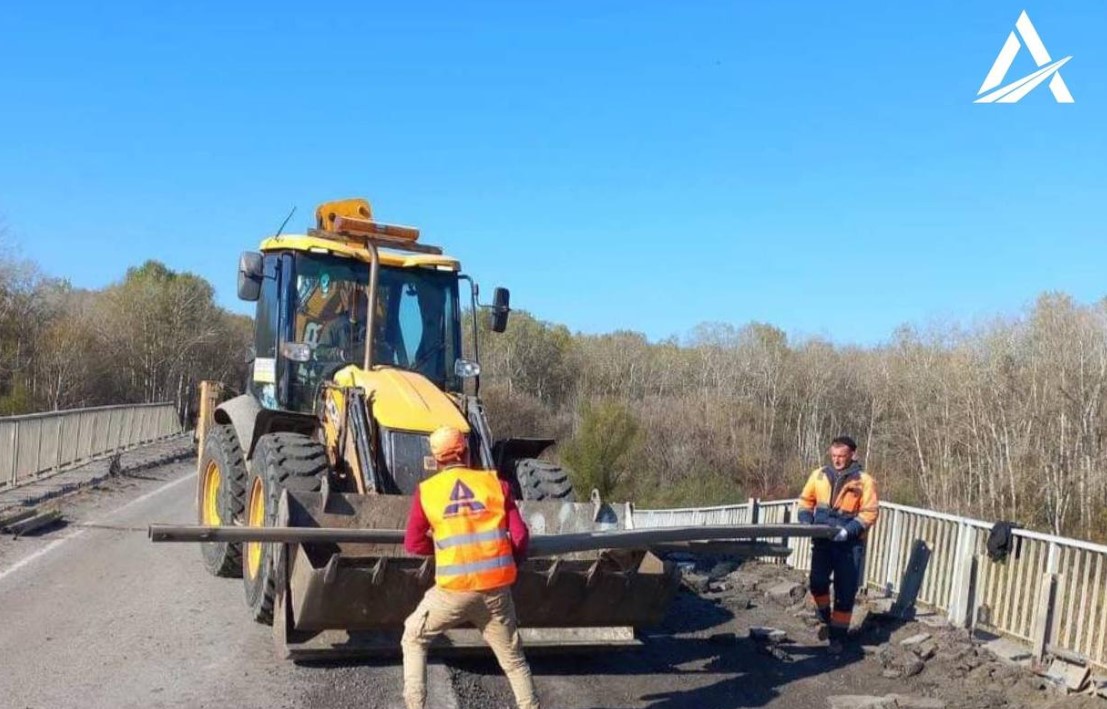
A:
{"points": [[447, 443]]}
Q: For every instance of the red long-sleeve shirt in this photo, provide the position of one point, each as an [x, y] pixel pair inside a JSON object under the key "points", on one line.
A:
{"points": [[417, 539]]}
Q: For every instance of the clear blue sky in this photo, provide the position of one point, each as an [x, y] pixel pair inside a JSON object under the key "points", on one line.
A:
{"points": [[820, 166]]}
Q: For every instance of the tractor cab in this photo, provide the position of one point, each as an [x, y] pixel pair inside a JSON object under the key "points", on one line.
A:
{"points": [[350, 292]]}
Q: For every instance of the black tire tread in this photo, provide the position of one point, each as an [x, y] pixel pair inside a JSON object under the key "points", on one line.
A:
{"points": [[225, 558], [294, 462], [542, 480]]}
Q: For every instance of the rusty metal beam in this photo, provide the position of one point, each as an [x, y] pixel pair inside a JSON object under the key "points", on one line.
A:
{"points": [[540, 545]]}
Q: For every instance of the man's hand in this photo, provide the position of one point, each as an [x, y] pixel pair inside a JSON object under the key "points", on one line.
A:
{"points": [[842, 535]]}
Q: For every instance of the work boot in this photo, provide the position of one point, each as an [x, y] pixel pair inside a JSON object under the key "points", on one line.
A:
{"points": [[835, 648], [823, 632]]}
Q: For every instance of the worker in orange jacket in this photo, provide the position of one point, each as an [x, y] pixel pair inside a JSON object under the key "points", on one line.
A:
{"points": [[476, 535], [842, 495]]}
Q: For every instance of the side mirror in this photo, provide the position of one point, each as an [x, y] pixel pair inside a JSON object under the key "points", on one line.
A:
{"points": [[250, 273], [501, 307]]}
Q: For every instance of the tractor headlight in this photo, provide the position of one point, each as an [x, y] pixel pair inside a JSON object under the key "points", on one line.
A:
{"points": [[466, 368]]}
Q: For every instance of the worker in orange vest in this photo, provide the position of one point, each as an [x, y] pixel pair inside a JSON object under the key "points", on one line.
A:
{"points": [[842, 495], [477, 537]]}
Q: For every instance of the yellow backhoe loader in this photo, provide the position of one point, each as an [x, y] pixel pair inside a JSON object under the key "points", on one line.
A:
{"points": [[357, 358]]}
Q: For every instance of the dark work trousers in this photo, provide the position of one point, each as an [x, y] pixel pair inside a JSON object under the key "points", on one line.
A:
{"points": [[841, 564]]}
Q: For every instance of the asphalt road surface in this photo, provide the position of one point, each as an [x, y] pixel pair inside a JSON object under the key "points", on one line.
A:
{"points": [[102, 618], [93, 617]]}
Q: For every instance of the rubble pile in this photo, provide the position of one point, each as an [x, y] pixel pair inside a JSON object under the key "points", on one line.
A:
{"points": [[922, 663]]}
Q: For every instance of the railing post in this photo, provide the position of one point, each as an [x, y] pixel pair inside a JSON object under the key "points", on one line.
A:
{"points": [[15, 452], [1041, 633], [960, 595], [38, 449], [77, 448], [1053, 559], [120, 429], [58, 450], [891, 559]]}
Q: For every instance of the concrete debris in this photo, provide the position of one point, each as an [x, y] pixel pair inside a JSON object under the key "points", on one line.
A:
{"points": [[860, 619], [881, 606], [918, 639], [14, 516], [928, 656], [925, 651], [37, 521], [809, 617], [933, 620], [773, 635], [786, 592], [912, 666], [1007, 650], [695, 582], [722, 569], [904, 663], [1072, 677], [776, 651], [738, 602]]}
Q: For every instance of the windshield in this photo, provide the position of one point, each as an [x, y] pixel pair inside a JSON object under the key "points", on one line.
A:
{"points": [[415, 328]]}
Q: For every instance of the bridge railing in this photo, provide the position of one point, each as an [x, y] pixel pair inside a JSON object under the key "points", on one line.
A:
{"points": [[36, 445], [1050, 591]]}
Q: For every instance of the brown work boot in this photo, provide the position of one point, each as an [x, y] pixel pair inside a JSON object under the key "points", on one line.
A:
{"points": [[823, 632]]}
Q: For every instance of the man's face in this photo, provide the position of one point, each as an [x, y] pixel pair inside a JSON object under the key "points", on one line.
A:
{"points": [[840, 457]]}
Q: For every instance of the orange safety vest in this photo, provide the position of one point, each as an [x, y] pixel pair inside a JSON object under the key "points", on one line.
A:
{"points": [[853, 497], [472, 547]]}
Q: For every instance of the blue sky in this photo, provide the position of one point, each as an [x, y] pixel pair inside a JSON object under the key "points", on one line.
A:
{"points": [[818, 166]]}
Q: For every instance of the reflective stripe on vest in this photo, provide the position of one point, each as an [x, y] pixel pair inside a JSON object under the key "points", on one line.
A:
{"points": [[466, 511], [458, 569]]}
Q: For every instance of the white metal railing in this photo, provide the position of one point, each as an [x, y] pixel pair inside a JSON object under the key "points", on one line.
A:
{"points": [[35, 445], [1012, 597], [693, 516]]}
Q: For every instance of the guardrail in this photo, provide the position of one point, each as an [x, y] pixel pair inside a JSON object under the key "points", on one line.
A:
{"points": [[1050, 592], [692, 516], [37, 445]]}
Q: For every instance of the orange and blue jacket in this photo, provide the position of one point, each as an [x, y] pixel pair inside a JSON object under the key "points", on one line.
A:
{"points": [[844, 498]]}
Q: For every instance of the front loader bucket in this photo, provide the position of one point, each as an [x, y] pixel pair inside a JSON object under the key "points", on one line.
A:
{"points": [[352, 599]]}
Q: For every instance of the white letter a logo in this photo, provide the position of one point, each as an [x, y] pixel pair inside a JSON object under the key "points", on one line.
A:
{"points": [[1048, 69]]}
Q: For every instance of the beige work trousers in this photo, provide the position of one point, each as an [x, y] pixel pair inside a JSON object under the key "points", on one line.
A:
{"points": [[491, 612]]}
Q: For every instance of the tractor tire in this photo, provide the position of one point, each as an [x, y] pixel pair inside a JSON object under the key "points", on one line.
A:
{"points": [[281, 461], [221, 497], [541, 480]]}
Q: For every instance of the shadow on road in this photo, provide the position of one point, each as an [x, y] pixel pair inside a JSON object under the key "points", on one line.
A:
{"points": [[753, 673]]}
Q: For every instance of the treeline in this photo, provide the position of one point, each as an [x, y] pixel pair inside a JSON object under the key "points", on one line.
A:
{"points": [[147, 338], [1005, 420]]}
